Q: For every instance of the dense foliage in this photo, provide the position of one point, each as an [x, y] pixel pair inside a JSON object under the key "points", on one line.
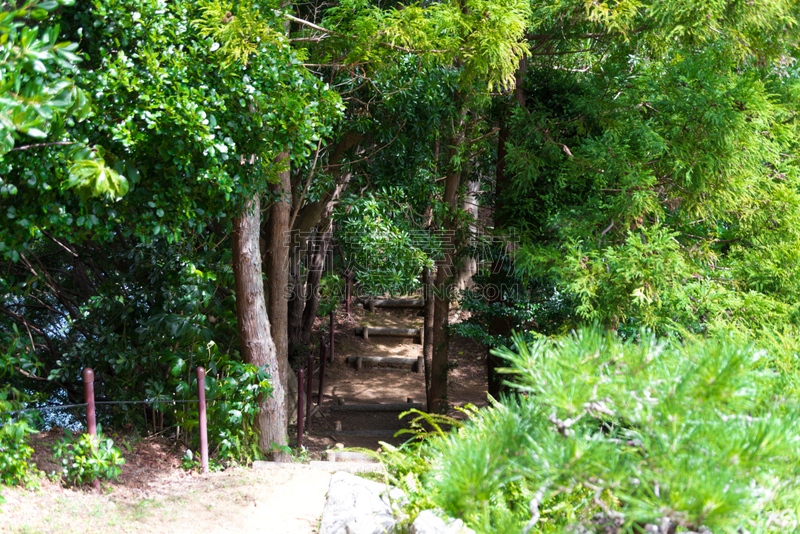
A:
{"points": [[140, 288], [614, 436], [628, 165]]}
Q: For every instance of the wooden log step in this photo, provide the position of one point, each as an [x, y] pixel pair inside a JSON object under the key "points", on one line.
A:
{"points": [[348, 456], [415, 364], [399, 303], [367, 433], [398, 407], [372, 303], [366, 331]]}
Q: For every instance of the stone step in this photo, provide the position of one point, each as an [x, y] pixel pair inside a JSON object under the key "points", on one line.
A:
{"points": [[348, 456], [350, 467]]}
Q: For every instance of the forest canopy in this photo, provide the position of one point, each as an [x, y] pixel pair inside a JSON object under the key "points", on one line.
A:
{"points": [[188, 184]]}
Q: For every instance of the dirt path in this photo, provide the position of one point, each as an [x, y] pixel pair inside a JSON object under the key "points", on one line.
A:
{"points": [[275, 501]]}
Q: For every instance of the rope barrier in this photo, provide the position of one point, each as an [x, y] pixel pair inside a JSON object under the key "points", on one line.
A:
{"points": [[148, 401], [46, 408]]}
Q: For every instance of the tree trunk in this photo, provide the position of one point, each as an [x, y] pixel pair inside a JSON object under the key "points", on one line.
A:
{"points": [[501, 325], [498, 326], [468, 266], [256, 344], [297, 294], [316, 267], [427, 340], [444, 270], [276, 258], [307, 215]]}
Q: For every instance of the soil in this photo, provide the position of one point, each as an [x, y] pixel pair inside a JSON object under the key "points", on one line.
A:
{"points": [[154, 494]]}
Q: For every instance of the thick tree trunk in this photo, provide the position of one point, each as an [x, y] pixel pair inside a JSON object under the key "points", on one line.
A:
{"points": [[297, 294], [276, 258], [468, 266], [316, 267], [306, 217], [256, 344], [444, 272], [427, 340]]}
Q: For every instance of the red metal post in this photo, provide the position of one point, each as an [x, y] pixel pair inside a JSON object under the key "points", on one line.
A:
{"points": [[91, 415], [201, 416], [330, 344], [88, 389], [322, 359], [300, 387], [309, 388]]}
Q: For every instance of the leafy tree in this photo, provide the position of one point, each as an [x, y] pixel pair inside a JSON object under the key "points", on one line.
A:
{"points": [[196, 134]]}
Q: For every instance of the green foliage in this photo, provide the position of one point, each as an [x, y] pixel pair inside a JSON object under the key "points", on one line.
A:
{"points": [[237, 36], [645, 431], [385, 252], [675, 204], [331, 289], [38, 101], [148, 275], [239, 388], [35, 96], [408, 464], [191, 462], [88, 458], [15, 453], [482, 37]]}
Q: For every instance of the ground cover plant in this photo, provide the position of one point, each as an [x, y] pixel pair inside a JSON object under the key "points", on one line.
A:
{"points": [[86, 458], [606, 435]]}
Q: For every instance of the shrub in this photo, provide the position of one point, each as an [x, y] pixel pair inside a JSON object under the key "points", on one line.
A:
{"points": [[611, 436], [231, 419], [88, 458], [15, 454]]}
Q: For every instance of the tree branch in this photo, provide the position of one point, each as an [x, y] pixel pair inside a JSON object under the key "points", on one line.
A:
{"points": [[40, 145]]}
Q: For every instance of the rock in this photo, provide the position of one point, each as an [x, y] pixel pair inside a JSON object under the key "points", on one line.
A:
{"points": [[359, 506], [435, 522]]}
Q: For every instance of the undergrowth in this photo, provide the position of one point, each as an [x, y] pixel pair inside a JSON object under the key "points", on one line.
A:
{"points": [[605, 435]]}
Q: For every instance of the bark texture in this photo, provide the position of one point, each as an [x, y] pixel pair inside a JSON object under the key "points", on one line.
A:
{"points": [[297, 294], [306, 216], [256, 344], [444, 272], [276, 258], [468, 266], [316, 266], [427, 339]]}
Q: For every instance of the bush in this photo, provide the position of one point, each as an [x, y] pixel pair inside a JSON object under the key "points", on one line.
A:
{"points": [[612, 436], [88, 458], [231, 419], [15, 454]]}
